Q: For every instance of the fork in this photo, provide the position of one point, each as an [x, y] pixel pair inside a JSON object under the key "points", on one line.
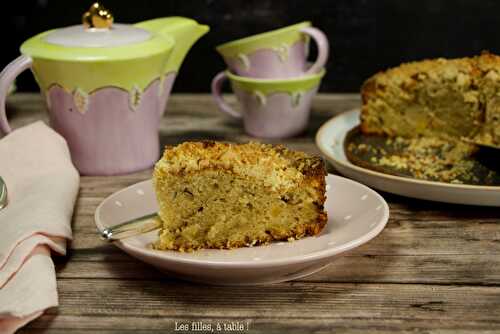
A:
{"points": [[3, 194], [131, 228]]}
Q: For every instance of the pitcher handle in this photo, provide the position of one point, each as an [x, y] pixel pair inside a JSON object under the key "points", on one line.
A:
{"points": [[7, 76], [323, 48], [217, 83]]}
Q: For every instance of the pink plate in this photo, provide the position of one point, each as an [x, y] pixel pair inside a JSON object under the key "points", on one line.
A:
{"points": [[356, 214]]}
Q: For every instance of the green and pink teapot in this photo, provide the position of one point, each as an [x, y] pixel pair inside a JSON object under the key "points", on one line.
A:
{"points": [[106, 85]]}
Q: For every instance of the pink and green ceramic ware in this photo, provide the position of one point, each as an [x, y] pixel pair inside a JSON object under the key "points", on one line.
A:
{"points": [[106, 88], [269, 108], [280, 53]]}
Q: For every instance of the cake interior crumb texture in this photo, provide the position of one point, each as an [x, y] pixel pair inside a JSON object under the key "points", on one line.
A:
{"points": [[451, 99], [221, 195]]}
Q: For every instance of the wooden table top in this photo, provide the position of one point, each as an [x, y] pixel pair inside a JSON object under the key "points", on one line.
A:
{"points": [[434, 268]]}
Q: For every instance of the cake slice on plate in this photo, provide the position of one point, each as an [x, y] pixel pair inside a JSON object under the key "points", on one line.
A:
{"points": [[221, 195]]}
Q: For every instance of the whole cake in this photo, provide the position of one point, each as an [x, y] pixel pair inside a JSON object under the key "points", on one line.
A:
{"points": [[221, 195], [453, 99]]}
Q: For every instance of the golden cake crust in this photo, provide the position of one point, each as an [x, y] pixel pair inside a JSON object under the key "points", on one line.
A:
{"points": [[250, 158]]}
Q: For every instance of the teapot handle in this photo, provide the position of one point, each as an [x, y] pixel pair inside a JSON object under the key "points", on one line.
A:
{"points": [[7, 76], [217, 83]]}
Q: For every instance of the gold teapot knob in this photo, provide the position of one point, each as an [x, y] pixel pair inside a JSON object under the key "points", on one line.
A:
{"points": [[97, 17]]}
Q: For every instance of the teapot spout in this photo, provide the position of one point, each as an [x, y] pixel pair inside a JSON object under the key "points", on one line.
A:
{"points": [[184, 31]]}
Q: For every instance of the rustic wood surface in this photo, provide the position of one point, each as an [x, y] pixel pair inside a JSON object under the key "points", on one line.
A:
{"points": [[435, 267]]}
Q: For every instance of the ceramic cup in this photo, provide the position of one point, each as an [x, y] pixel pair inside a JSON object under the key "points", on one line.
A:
{"points": [[276, 54], [269, 108]]}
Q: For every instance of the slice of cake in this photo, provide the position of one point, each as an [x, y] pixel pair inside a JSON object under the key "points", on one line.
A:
{"points": [[451, 99], [220, 195]]}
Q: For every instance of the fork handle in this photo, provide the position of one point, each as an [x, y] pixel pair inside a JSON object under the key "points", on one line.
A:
{"points": [[131, 228]]}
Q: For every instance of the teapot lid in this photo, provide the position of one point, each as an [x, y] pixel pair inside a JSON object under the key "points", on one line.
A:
{"points": [[97, 39], [98, 31], [79, 36]]}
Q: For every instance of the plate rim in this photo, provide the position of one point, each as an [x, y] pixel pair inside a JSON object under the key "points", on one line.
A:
{"points": [[297, 259], [347, 164]]}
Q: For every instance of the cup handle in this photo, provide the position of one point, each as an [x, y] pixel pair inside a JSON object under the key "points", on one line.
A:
{"points": [[7, 76], [323, 48], [217, 83]]}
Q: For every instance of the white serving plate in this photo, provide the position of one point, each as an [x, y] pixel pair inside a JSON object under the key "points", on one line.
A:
{"points": [[330, 140], [356, 214]]}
